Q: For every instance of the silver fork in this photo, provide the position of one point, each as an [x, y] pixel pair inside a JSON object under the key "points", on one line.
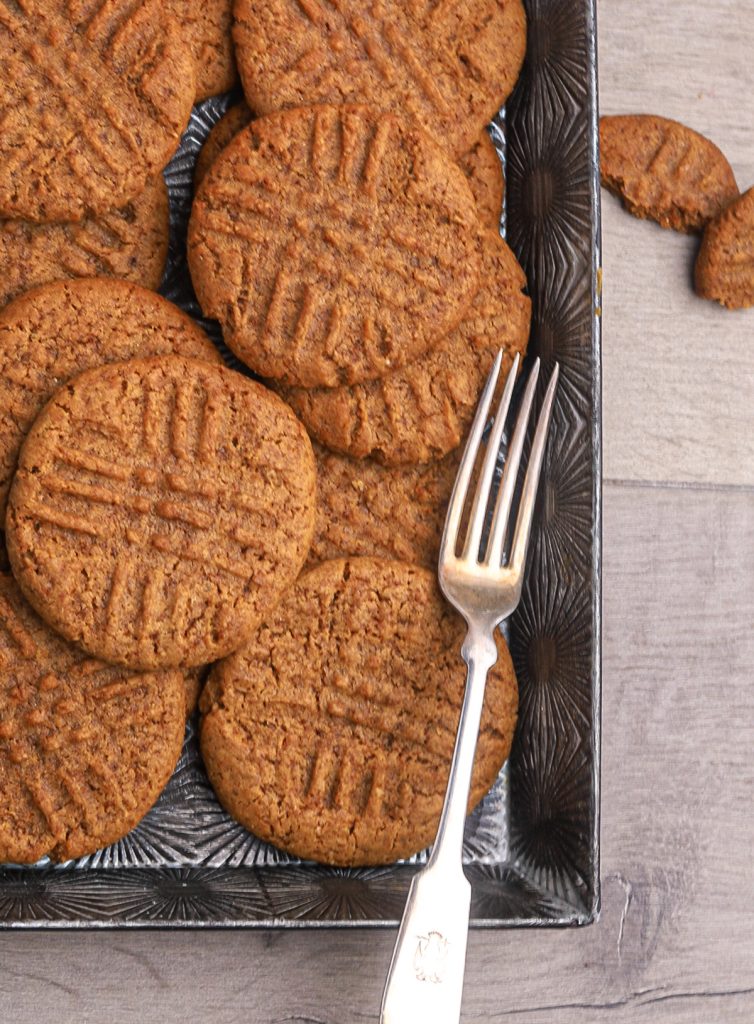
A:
{"points": [[425, 981]]}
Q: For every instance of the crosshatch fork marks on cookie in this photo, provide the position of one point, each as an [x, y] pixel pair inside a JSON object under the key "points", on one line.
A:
{"points": [[183, 521], [338, 781], [664, 170], [95, 99], [447, 64], [151, 487], [66, 749], [334, 244], [129, 243], [346, 701]]}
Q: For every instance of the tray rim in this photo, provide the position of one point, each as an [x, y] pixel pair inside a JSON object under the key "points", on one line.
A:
{"points": [[569, 915]]}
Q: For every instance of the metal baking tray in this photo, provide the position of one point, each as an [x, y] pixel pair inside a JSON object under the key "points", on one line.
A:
{"points": [[532, 848]]}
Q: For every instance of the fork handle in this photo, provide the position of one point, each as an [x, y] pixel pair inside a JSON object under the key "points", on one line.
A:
{"points": [[479, 651], [425, 981]]}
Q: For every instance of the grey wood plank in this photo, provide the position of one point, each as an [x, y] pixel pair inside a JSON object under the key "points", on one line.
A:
{"points": [[678, 371], [675, 943]]}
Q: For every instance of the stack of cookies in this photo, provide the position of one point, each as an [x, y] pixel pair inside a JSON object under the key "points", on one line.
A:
{"points": [[160, 507]]}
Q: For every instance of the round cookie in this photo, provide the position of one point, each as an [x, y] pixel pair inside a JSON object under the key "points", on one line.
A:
{"points": [[229, 125], [94, 100], [130, 243], [664, 171], [160, 508], [206, 26], [333, 244], [725, 265], [85, 748], [482, 167], [448, 66], [331, 733], [422, 412], [53, 333], [364, 508]]}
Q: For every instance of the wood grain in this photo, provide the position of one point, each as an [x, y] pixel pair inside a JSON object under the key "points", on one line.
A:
{"points": [[675, 942], [678, 370]]}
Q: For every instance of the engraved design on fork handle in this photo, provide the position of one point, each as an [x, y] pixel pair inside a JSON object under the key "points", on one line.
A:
{"points": [[425, 981]]}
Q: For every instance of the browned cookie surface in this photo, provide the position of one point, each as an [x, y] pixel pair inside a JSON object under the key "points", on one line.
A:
{"points": [[480, 164], [725, 264], [330, 734], [450, 66], [226, 129], [130, 243], [364, 508], [333, 244], [85, 748], [94, 97], [482, 167], [159, 509], [53, 333], [664, 171], [422, 411], [194, 681], [206, 26]]}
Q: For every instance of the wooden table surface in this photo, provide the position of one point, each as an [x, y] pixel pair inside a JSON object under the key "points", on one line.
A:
{"points": [[675, 942]]}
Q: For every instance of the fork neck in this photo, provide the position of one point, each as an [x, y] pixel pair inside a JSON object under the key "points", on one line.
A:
{"points": [[479, 647], [479, 651]]}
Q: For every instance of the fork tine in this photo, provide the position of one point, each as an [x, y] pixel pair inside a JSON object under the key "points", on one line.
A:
{"points": [[508, 483], [482, 493], [466, 468], [529, 493]]}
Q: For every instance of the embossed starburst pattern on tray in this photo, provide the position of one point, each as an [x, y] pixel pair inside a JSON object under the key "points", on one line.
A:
{"points": [[531, 847]]}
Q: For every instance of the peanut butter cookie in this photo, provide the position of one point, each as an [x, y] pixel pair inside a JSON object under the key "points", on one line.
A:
{"points": [[664, 171], [725, 264], [194, 681], [129, 243], [94, 97], [364, 508], [330, 734], [422, 411], [449, 66], [482, 167], [333, 244], [206, 26], [160, 508], [85, 748], [53, 333], [227, 128]]}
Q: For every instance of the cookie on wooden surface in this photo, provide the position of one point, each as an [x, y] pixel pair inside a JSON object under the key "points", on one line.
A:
{"points": [[94, 99], [333, 244], [664, 171], [364, 508], [330, 733], [85, 748], [206, 26], [130, 243], [229, 125], [160, 508], [482, 167], [725, 265], [53, 333], [450, 66], [422, 411]]}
